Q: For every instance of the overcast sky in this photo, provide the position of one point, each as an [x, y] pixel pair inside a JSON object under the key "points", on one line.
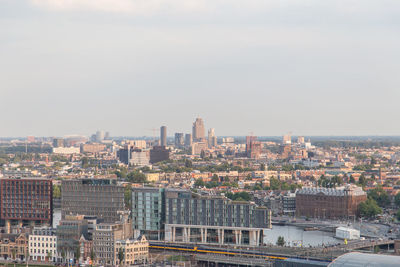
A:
{"points": [[311, 67]]}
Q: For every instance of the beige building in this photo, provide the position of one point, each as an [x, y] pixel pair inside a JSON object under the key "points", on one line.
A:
{"points": [[134, 251], [105, 237], [153, 177], [197, 147], [92, 148], [198, 130]]}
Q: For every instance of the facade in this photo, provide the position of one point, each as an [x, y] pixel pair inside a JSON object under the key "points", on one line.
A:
{"points": [[213, 219], [139, 158], [94, 197], [330, 203], [253, 147], [26, 201], [179, 140], [86, 248], [198, 130], [198, 147], [134, 156], [163, 136], [69, 232], [135, 251], [105, 238], [188, 140], [58, 142], [100, 135], [148, 211], [141, 144], [13, 246], [43, 244], [159, 153], [66, 150], [92, 148], [212, 139], [289, 204]]}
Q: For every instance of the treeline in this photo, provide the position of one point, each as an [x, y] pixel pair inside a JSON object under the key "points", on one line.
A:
{"points": [[23, 149]]}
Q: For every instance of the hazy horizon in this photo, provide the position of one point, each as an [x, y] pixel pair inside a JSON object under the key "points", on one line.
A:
{"points": [[245, 66]]}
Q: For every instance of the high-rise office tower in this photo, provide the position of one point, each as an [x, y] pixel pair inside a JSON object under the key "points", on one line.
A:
{"points": [[253, 147], [287, 139], [58, 142], [179, 139], [163, 136], [198, 130], [212, 139], [188, 140], [100, 136]]}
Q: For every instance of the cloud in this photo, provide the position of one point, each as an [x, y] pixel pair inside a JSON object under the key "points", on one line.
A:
{"points": [[216, 8], [123, 6]]}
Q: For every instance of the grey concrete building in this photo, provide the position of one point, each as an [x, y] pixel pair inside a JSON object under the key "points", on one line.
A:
{"points": [[163, 136], [102, 198]]}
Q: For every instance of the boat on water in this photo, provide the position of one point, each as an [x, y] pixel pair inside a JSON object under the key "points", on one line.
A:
{"points": [[311, 229]]}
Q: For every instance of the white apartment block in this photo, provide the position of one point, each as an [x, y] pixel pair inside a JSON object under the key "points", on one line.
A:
{"points": [[43, 245]]}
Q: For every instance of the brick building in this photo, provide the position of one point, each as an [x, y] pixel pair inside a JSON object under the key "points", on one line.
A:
{"points": [[26, 201], [329, 203]]}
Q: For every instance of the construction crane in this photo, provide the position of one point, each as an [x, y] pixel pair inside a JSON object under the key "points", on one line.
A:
{"points": [[154, 130]]}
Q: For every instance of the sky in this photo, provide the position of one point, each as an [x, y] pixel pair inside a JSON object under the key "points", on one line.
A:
{"points": [[266, 67]]}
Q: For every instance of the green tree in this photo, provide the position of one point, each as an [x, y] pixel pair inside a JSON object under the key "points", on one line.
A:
{"points": [[85, 162], [398, 215], [262, 167], [128, 197], [56, 191], [92, 255], [397, 199], [199, 183], [121, 173], [136, 177], [281, 241], [77, 253], [240, 196], [49, 255], [352, 180], [274, 184], [188, 163], [215, 178], [380, 196], [362, 180], [369, 208], [121, 256]]}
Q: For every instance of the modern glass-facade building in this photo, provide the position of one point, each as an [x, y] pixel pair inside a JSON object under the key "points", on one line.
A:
{"points": [[148, 211], [185, 207]]}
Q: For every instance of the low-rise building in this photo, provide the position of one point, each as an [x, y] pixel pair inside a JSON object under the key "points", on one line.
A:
{"points": [[105, 238], [14, 246], [329, 203], [43, 244], [135, 251]]}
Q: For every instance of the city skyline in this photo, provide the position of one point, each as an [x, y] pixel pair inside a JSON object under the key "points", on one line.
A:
{"points": [[266, 67]]}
